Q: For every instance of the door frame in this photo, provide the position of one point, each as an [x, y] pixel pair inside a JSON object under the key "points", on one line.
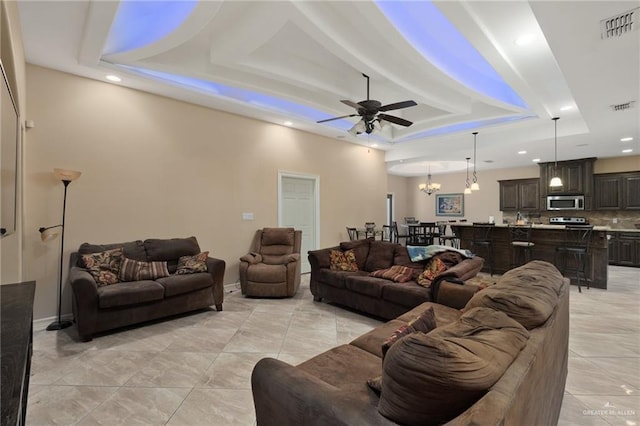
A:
{"points": [[316, 192]]}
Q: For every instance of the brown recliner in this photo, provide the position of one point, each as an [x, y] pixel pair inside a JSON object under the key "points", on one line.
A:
{"points": [[272, 267]]}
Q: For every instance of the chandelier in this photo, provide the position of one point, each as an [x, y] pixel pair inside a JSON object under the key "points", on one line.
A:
{"points": [[429, 187]]}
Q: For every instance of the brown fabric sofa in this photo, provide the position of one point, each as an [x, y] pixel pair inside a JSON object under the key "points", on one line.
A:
{"points": [[381, 297], [107, 307], [501, 362], [272, 266]]}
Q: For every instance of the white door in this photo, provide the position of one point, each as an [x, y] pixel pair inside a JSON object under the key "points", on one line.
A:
{"points": [[298, 208]]}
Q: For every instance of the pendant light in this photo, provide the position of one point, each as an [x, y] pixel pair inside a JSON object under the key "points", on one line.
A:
{"points": [[555, 181], [474, 186], [467, 188]]}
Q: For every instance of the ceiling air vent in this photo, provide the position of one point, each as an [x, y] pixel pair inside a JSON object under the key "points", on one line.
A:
{"points": [[619, 25], [623, 107]]}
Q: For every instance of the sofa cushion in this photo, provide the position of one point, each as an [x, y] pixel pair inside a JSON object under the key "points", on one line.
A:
{"points": [[360, 248], [381, 254], [369, 286], [528, 294], [397, 273], [170, 249], [336, 278], [261, 272], [136, 270], [192, 264], [434, 268], [104, 267], [430, 378], [373, 339], [131, 293], [407, 294], [444, 314], [179, 284], [343, 261], [424, 323], [131, 249]]}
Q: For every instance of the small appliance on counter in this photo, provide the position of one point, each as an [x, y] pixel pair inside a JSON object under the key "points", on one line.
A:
{"points": [[559, 220]]}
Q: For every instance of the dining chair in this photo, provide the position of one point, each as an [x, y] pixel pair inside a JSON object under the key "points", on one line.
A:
{"points": [[353, 233], [397, 235], [387, 233]]}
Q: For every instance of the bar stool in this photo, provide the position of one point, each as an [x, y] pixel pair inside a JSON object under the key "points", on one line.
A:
{"points": [[482, 239], [520, 236], [576, 248]]}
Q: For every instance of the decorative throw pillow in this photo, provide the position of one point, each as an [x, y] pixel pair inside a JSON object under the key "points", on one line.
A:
{"points": [[425, 322], [104, 266], [135, 270], [397, 273], [192, 264], [434, 268], [343, 261]]}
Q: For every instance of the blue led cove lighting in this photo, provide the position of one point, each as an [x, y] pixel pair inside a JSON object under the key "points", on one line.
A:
{"points": [[140, 23], [430, 33]]}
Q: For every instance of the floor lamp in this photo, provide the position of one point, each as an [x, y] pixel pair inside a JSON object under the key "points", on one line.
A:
{"points": [[48, 233]]}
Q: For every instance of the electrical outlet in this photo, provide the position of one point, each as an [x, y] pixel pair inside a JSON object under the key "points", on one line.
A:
{"points": [[615, 220]]}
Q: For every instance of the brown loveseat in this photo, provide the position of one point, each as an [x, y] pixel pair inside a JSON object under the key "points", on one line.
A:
{"points": [[381, 297], [501, 362], [99, 308]]}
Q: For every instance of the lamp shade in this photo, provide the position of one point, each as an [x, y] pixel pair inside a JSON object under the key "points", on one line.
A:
{"points": [[66, 175], [47, 234], [555, 182], [475, 186], [467, 190]]}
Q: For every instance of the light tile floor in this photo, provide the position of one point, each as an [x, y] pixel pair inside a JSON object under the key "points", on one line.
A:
{"points": [[195, 369]]}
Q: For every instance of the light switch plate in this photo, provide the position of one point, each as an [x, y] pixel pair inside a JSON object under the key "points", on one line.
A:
{"points": [[247, 216]]}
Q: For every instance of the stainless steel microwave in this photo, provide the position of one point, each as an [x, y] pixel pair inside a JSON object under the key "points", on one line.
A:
{"points": [[565, 202]]}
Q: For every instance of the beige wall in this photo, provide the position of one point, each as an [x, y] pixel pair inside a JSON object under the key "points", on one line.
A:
{"points": [[399, 188], [156, 167], [617, 164], [12, 56]]}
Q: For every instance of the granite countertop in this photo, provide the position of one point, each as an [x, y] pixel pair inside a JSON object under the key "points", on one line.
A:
{"points": [[544, 226]]}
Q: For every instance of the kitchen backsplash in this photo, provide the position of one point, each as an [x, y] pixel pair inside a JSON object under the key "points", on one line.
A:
{"points": [[626, 219]]}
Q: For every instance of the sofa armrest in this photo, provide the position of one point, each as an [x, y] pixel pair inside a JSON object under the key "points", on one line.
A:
{"points": [[251, 258], [453, 293], [292, 258], [216, 268], [85, 301], [286, 395], [320, 258]]}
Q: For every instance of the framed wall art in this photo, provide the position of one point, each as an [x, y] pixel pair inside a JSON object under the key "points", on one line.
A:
{"points": [[450, 204]]}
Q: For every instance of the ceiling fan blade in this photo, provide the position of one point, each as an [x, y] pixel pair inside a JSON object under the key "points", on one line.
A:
{"points": [[398, 105], [351, 104], [396, 120], [337, 118]]}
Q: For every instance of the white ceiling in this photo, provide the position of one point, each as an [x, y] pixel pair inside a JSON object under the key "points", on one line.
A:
{"points": [[310, 54]]}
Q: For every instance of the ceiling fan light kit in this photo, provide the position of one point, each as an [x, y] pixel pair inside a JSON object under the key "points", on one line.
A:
{"points": [[555, 180], [371, 112]]}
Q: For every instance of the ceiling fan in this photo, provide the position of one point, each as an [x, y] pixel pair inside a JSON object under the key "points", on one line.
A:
{"points": [[370, 111]]}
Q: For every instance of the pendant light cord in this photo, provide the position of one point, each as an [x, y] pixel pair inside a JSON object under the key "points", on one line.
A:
{"points": [[475, 178], [555, 138]]}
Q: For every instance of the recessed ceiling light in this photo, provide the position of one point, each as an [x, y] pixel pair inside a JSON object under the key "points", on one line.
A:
{"points": [[522, 152], [524, 39], [627, 139], [113, 78], [566, 108], [626, 151], [288, 123], [536, 160]]}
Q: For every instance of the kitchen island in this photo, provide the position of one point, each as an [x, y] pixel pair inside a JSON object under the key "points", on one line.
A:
{"points": [[546, 239]]}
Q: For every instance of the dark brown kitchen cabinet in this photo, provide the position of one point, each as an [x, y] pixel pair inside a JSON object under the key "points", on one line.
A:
{"points": [[624, 248], [520, 195], [576, 175], [617, 191]]}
